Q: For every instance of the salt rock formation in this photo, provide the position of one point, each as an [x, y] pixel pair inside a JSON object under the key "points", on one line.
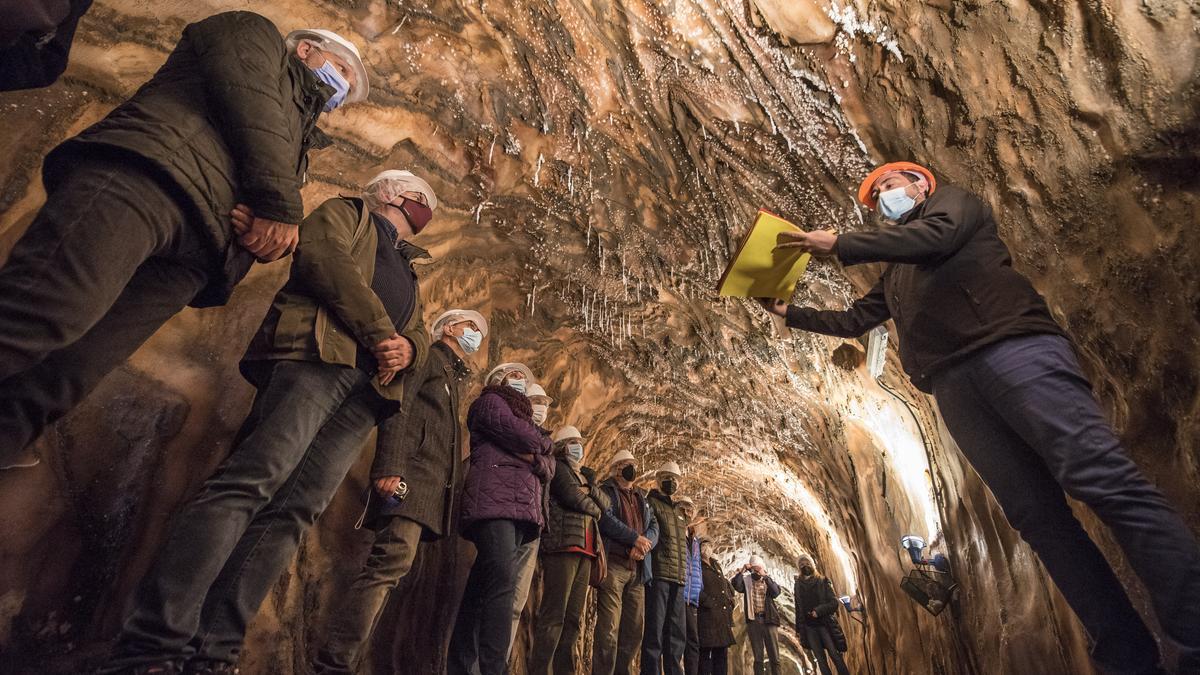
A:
{"points": [[597, 163]]}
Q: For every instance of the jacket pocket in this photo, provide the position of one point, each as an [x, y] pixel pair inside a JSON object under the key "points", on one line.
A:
{"points": [[973, 303]]}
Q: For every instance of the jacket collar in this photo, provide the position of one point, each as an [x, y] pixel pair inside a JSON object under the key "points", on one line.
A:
{"points": [[409, 250], [458, 367]]}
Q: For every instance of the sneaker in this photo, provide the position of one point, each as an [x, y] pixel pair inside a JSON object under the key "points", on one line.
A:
{"points": [[209, 667]]}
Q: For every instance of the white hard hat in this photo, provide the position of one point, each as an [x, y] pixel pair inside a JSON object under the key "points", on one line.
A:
{"points": [[669, 467], [500, 370], [458, 316], [399, 181], [756, 561], [685, 500], [621, 457], [567, 432], [534, 390], [332, 42]]}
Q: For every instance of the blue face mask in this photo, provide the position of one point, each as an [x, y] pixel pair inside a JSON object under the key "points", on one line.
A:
{"points": [[328, 74], [519, 385], [894, 204], [575, 453], [470, 341]]}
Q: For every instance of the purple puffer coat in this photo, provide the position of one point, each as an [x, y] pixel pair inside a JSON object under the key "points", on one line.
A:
{"points": [[500, 484]]}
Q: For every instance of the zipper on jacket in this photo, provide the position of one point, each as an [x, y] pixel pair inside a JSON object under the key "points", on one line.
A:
{"points": [[976, 306]]}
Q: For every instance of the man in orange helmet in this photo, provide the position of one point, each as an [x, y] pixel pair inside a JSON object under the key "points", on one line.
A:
{"points": [[976, 334]]}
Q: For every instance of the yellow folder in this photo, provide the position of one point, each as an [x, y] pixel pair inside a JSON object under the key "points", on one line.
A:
{"points": [[757, 271]]}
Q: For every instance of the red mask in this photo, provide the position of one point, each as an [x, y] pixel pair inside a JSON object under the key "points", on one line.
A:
{"points": [[417, 213]]}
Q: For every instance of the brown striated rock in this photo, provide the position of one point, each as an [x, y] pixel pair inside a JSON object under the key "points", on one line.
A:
{"points": [[597, 163]]}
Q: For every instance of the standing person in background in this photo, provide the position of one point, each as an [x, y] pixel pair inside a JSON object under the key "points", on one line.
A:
{"points": [[501, 512], [714, 619], [666, 617], [759, 591], [540, 402], [692, 588], [419, 448], [528, 556], [816, 606], [139, 215], [630, 531], [569, 548], [977, 335], [330, 360]]}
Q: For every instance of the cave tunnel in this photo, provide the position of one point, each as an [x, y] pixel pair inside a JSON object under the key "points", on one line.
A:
{"points": [[597, 163]]}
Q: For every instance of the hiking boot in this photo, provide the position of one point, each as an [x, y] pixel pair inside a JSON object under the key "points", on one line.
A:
{"points": [[209, 667]]}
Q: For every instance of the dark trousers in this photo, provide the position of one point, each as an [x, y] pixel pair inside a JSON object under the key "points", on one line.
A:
{"points": [[620, 618], [228, 546], [560, 615], [1026, 419], [820, 643], [714, 661], [484, 623], [665, 635], [354, 621], [765, 645], [691, 650], [108, 259]]}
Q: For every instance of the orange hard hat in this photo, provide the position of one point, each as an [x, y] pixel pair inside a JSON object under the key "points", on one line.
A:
{"points": [[866, 189]]}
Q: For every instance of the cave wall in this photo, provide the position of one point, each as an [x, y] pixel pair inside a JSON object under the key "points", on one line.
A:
{"points": [[597, 162]]}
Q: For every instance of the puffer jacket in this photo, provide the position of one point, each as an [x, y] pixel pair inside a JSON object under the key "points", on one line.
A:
{"points": [[501, 483], [695, 573], [228, 118], [950, 287], [669, 557], [574, 509]]}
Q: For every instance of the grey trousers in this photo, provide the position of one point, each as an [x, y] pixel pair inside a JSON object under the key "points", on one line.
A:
{"points": [[765, 645], [104, 264], [620, 619], [353, 623], [229, 544], [560, 615]]}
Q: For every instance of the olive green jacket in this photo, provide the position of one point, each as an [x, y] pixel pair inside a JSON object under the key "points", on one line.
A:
{"points": [[669, 558], [327, 308]]}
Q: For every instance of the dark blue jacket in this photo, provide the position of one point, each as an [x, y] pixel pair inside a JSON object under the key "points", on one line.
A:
{"points": [[619, 537]]}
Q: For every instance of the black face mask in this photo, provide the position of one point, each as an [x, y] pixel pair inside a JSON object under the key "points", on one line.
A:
{"points": [[628, 472], [807, 571], [668, 487]]}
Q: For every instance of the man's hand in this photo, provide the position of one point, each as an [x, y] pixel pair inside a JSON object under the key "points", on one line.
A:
{"points": [[636, 554], [813, 614], [643, 544], [393, 355], [817, 242], [387, 485], [268, 240], [776, 307]]}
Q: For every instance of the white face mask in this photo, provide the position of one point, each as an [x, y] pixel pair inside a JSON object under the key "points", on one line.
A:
{"points": [[469, 340], [539, 412], [519, 385]]}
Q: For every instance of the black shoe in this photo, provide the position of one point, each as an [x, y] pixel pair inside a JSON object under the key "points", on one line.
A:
{"points": [[209, 667], [161, 668]]}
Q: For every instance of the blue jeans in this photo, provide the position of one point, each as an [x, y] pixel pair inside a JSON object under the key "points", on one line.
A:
{"points": [[1026, 419], [229, 544]]}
